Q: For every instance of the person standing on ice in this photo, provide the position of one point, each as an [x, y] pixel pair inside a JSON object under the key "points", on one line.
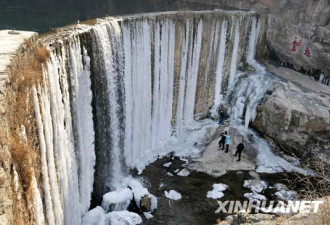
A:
{"points": [[222, 117], [222, 140], [239, 149], [227, 141]]}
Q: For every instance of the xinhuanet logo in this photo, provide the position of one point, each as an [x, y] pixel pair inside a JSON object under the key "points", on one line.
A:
{"points": [[278, 207]]}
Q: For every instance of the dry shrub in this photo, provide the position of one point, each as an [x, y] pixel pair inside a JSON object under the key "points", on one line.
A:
{"points": [[315, 187], [22, 156], [312, 187], [41, 54], [28, 43], [25, 73]]}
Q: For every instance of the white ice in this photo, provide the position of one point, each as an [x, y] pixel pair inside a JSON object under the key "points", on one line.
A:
{"points": [[183, 173], [167, 165], [217, 191], [117, 200], [257, 186], [255, 196], [122, 218], [173, 195]]}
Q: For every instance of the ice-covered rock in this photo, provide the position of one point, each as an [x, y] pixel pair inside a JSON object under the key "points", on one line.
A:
{"points": [[183, 173], [255, 196], [122, 218], [140, 192], [280, 186], [217, 191], [286, 195], [257, 186], [117, 200], [173, 195], [167, 165], [148, 215], [95, 216]]}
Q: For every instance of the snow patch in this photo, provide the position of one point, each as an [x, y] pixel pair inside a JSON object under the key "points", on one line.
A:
{"points": [[286, 195], [123, 218], [117, 200], [257, 186], [148, 215], [95, 216], [173, 195], [183, 173], [255, 196], [217, 191], [167, 165]]}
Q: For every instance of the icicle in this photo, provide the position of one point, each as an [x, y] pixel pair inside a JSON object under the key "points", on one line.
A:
{"points": [[219, 71], [233, 64], [63, 137], [192, 73], [44, 168], [82, 99], [182, 82]]}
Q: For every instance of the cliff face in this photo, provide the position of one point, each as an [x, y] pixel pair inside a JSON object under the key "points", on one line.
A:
{"points": [[296, 21]]}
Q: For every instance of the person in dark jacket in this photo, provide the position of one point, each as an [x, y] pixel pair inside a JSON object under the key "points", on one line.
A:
{"points": [[222, 140], [222, 117], [239, 149], [227, 141]]}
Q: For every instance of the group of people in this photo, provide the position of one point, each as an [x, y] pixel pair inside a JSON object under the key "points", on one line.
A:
{"points": [[225, 139], [224, 144]]}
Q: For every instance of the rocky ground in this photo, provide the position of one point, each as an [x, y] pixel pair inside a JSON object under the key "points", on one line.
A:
{"points": [[216, 162]]}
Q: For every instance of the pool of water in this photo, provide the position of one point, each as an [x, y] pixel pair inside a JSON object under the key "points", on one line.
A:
{"points": [[194, 208]]}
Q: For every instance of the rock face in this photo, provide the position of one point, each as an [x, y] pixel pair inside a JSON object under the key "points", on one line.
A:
{"points": [[302, 21], [294, 118], [216, 162]]}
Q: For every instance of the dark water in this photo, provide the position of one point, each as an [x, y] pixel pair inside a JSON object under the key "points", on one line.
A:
{"points": [[42, 15], [194, 208]]}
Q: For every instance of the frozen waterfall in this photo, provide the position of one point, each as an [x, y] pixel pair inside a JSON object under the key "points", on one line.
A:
{"points": [[119, 94]]}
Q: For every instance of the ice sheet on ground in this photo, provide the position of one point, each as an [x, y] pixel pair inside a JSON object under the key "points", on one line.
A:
{"points": [[217, 191], [184, 145], [167, 165], [173, 195], [257, 186], [183, 173], [255, 196], [122, 218], [267, 160]]}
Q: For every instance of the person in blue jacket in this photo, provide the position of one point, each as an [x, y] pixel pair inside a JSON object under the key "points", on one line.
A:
{"points": [[227, 141]]}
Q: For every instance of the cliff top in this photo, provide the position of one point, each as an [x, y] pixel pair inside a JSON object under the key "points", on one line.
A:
{"points": [[10, 44]]}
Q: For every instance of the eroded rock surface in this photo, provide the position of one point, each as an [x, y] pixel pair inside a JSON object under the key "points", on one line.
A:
{"points": [[295, 117]]}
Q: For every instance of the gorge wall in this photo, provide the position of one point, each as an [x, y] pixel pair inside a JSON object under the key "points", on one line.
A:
{"points": [[109, 98], [112, 78]]}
